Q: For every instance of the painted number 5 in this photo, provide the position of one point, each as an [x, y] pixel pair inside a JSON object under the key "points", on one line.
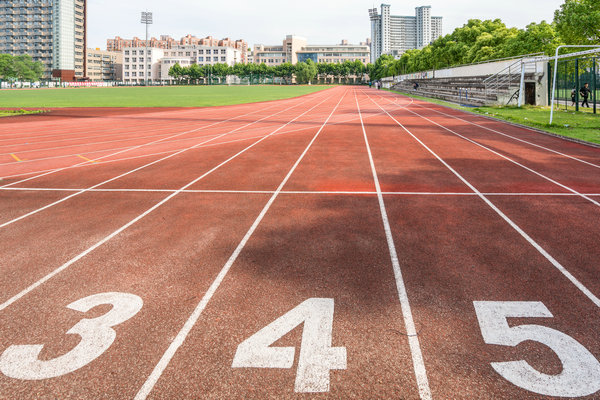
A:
{"points": [[581, 371], [317, 357], [21, 362]]}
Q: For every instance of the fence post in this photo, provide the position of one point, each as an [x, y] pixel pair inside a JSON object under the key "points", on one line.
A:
{"points": [[549, 83], [577, 84], [594, 78]]}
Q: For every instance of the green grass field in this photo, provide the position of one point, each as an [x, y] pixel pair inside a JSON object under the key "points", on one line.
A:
{"points": [[171, 96], [582, 125]]}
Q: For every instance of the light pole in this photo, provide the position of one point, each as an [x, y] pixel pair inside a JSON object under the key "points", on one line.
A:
{"points": [[147, 20]]}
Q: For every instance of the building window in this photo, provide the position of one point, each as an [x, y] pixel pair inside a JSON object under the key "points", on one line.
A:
{"points": [[126, 52], [200, 58]]}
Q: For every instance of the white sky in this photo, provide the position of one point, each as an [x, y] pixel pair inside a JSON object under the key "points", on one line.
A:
{"points": [[268, 21]]}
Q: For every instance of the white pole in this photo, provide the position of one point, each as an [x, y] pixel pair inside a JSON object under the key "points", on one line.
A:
{"points": [[521, 85], [554, 84]]}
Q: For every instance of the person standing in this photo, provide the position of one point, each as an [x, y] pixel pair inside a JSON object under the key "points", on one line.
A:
{"points": [[585, 93]]}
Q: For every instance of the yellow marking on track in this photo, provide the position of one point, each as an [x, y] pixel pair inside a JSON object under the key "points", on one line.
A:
{"points": [[15, 157], [85, 158]]}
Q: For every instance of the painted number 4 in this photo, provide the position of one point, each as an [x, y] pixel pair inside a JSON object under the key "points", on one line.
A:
{"points": [[317, 357]]}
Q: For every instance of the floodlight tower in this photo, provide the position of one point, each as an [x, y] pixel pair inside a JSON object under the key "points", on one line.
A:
{"points": [[147, 20]]}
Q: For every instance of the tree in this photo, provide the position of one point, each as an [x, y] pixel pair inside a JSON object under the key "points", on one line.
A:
{"points": [[535, 38], [20, 67], [176, 71], [578, 21], [306, 71], [7, 70], [195, 72]]}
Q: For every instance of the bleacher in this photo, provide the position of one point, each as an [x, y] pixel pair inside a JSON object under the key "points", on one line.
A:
{"points": [[466, 90]]}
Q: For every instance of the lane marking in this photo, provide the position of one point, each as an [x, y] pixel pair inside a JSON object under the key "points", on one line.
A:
{"points": [[133, 221], [86, 159], [153, 142], [508, 159], [164, 152], [528, 238], [15, 157], [125, 190], [510, 136], [409, 324], [191, 321], [21, 217]]}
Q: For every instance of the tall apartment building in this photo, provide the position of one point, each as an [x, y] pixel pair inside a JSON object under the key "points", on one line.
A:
{"points": [[50, 31], [104, 65], [394, 34], [167, 42]]}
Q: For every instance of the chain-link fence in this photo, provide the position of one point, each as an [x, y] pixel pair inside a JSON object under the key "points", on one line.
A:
{"points": [[577, 82]]}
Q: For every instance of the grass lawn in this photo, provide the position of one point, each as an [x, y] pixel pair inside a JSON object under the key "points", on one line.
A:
{"points": [[582, 125], [170, 96], [12, 113]]}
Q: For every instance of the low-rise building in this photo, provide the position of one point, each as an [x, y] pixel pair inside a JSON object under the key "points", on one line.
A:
{"points": [[140, 63], [273, 55], [335, 53], [154, 64], [167, 42], [104, 65], [295, 49], [198, 54]]}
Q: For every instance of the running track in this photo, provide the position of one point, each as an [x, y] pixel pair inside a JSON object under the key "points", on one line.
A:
{"points": [[350, 243]]}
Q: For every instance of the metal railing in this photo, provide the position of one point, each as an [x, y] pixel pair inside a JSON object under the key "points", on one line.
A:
{"points": [[509, 79]]}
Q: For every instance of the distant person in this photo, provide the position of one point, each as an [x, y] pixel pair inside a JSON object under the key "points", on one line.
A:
{"points": [[415, 86], [585, 93], [573, 97], [370, 84]]}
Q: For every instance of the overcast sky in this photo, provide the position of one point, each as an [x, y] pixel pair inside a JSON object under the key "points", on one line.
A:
{"points": [[268, 21]]}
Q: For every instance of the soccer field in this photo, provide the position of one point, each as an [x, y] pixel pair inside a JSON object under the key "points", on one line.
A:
{"points": [[171, 96]]}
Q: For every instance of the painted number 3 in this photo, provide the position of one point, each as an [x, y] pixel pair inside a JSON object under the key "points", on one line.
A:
{"points": [[97, 335]]}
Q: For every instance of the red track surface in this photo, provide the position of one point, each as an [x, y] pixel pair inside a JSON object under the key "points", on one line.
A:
{"points": [[402, 215]]}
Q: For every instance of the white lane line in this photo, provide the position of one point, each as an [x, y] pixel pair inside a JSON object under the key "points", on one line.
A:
{"points": [[86, 143], [168, 125], [167, 116], [509, 159], [145, 144], [125, 190], [82, 165], [140, 168], [512, 137], [528, 238], [136, 219], [409, 324], [191, 321]]}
